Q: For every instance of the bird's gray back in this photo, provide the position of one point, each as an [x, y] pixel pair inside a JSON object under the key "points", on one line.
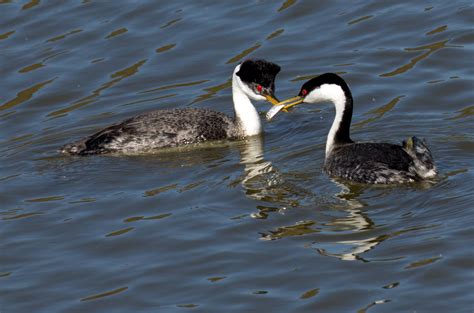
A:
{"points": [[158, 129], [370, 163]]}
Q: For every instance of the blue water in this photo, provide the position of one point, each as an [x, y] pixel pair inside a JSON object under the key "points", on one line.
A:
{"points": [[245, 226]]}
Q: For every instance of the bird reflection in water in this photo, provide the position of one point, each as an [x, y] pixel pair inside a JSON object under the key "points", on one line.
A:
{"points": [[264, 182], [352, 221], [356, 222]]}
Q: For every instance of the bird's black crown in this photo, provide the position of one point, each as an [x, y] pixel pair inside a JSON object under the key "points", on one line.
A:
{"points": [[259, 72], [327, 78]]}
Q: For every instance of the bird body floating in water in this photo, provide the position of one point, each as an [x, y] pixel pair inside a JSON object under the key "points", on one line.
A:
{"points": [[363, 162], [251, 80]]}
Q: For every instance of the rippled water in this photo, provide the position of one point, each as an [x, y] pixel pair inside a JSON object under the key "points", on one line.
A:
{"points": [[232, 227]]}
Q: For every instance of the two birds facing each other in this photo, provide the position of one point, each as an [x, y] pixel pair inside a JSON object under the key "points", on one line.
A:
{"points": [[364, 162]]}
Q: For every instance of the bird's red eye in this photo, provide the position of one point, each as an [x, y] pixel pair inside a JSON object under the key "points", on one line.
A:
{"points": [[259, 88], [304, 92]]}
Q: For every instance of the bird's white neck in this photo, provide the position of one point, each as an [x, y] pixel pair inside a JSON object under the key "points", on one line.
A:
{"points": [[246, 115], [339, 132], [339, 104]]}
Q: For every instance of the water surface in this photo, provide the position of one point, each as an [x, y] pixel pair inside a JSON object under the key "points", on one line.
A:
{"points": [[232, 227]]}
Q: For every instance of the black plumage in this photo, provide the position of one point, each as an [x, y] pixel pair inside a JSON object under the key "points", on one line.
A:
{"points": [[374, 163], [259, 72]]}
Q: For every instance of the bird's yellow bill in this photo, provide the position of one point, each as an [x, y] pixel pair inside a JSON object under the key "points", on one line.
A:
{"points": [[283, 106], [272, 99], [291, 102]]}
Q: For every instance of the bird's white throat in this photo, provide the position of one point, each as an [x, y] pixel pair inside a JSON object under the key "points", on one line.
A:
{"points": [[330, 93], [245, 113]]}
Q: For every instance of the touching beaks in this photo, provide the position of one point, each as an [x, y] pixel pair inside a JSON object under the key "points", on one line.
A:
{"points": [[270, 96], [283, 106], [291, 102], [272, 99]]}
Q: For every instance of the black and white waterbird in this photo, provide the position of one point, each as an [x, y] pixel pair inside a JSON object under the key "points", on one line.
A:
{"points": [[363, 162], [251, 80]]}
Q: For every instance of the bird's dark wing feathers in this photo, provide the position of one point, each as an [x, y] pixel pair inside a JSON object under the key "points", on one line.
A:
{"points": [[390, 155], [370, 163], [157, 129]]}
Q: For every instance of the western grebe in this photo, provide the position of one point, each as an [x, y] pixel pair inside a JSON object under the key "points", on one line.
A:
{"points": [[363, 162], [251, 80]]}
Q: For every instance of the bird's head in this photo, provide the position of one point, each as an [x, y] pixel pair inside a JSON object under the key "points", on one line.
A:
{"points": [[327, 87], [256, 78]]}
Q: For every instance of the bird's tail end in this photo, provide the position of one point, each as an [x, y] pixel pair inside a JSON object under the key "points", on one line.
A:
{"points": [[425, 166]]}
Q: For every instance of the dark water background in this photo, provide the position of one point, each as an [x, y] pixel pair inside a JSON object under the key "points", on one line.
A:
{"points": [[251, 226]]}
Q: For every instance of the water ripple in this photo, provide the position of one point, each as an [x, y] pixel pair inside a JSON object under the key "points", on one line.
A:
{"points": [[215, 279], [165, 48], [59, 37], [212, 91], [364, 310], [379, 112], [119, 232], [431, 48], [299, 229], [275, 34], [30, 4], [187, 84], [156, 191], [21, 216], [423, 262], [25, 95], [118, 76], [285, 5], [437, 30], [360, 19], [117, 32], [243, 54], [105, 294], [463, 113], [168, 24], [46, 199], [310, 293], [6, 35]]}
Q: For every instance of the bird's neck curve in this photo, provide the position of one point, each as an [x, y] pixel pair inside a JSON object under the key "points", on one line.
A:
{"points": [[340, 129], [246, 115]]}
